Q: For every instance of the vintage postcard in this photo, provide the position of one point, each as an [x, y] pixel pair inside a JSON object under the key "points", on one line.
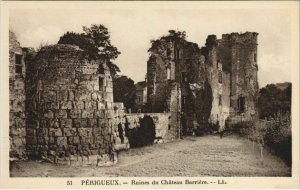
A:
{"points": [[156, 95]]}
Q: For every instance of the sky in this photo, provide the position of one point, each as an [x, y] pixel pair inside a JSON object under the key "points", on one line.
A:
{"points": [[132, 29]]}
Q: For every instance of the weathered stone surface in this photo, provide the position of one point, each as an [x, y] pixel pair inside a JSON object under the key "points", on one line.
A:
{"points": [[76, 113], [65, 123]]}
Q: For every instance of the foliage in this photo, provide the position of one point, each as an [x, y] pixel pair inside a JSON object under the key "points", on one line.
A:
{"points": [[95, 41], [278, 136], [124, 91], [275, 133], [273, 100], [142, 135], [161, 46]]}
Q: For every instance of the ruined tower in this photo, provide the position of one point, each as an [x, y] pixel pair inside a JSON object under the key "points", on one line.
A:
{"points": [[232, 69], [70, 106]]}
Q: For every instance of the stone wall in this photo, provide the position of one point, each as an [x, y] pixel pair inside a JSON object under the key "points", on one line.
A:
{"points": [[16, 99], [70, 108], [236, 55]]}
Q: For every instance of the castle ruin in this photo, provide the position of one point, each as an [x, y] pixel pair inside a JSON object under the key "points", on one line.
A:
{"points": [[62, 108]]}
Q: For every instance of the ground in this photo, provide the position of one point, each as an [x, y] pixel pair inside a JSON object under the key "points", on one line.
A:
{"points": [[193, 156]]}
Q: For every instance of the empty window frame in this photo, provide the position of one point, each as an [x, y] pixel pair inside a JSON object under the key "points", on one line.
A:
{"points": [[18, 64], [101, 84], [241, 104], [183, 77]]}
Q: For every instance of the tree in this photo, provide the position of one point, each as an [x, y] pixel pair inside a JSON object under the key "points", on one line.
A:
{"points": [[124, 91], [273, 100], [95, 42]]}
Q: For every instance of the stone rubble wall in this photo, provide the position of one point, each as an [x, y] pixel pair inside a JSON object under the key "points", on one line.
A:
{"points": [[71, 115], [16, 102]]}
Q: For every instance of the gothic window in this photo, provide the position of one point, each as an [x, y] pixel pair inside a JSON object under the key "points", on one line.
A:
{"points": [[220, 100], [255, 57], [183, 77], [241, 104], [18, 63], [139, 99]]}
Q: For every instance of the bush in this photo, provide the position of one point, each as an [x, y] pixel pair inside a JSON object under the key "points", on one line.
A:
{"points": [[279, 137], [275, 133]]}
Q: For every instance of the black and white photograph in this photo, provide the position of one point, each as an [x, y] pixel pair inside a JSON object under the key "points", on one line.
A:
{"points": [[188, 93]]}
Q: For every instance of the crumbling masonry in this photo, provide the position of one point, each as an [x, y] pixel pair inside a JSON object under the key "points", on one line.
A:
{"points": [[62, 108]]}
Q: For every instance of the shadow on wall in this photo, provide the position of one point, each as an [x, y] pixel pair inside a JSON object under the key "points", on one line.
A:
{"points": [[143, 135]]}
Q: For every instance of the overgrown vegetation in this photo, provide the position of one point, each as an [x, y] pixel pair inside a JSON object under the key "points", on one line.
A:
{"points": [[274, 130], [95, 41], [124, 91]]}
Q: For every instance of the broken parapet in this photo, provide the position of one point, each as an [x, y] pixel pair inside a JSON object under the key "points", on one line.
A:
{"points": [[70, 108]]}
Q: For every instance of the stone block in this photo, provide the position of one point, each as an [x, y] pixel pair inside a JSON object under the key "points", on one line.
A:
{"points": [[62, 142], [61, 113], [82, 95], [20, 132], [51, 105], [66, 105], [54, 123], [42, 140], [20, 122], [88, 105], [76, 113], [49, 96], [87, 140], [19, 85], [55, 132], [102, 123], [94, 105], [78, 123], [41, 132], [66, 123], [30, 140], [92, 123], [19, 141], [44, 123], [97, 132], [95, 96], [85, 132], [62, 95], [30, 132], [87, 114], [74, 140], [78, 105], [51, 140], [69, 132], [99, 114], [101, 106], [109, 113], [49, 114], [71, 96]]}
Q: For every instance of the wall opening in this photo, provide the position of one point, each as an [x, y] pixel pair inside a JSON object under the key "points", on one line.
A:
{"points": [[144, 134], [101, 84], [18, 64], [120, 130], [241, 105], [183, 77]]}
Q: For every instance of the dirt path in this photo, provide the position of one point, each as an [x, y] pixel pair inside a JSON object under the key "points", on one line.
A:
{"points": [[193, 156]]}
